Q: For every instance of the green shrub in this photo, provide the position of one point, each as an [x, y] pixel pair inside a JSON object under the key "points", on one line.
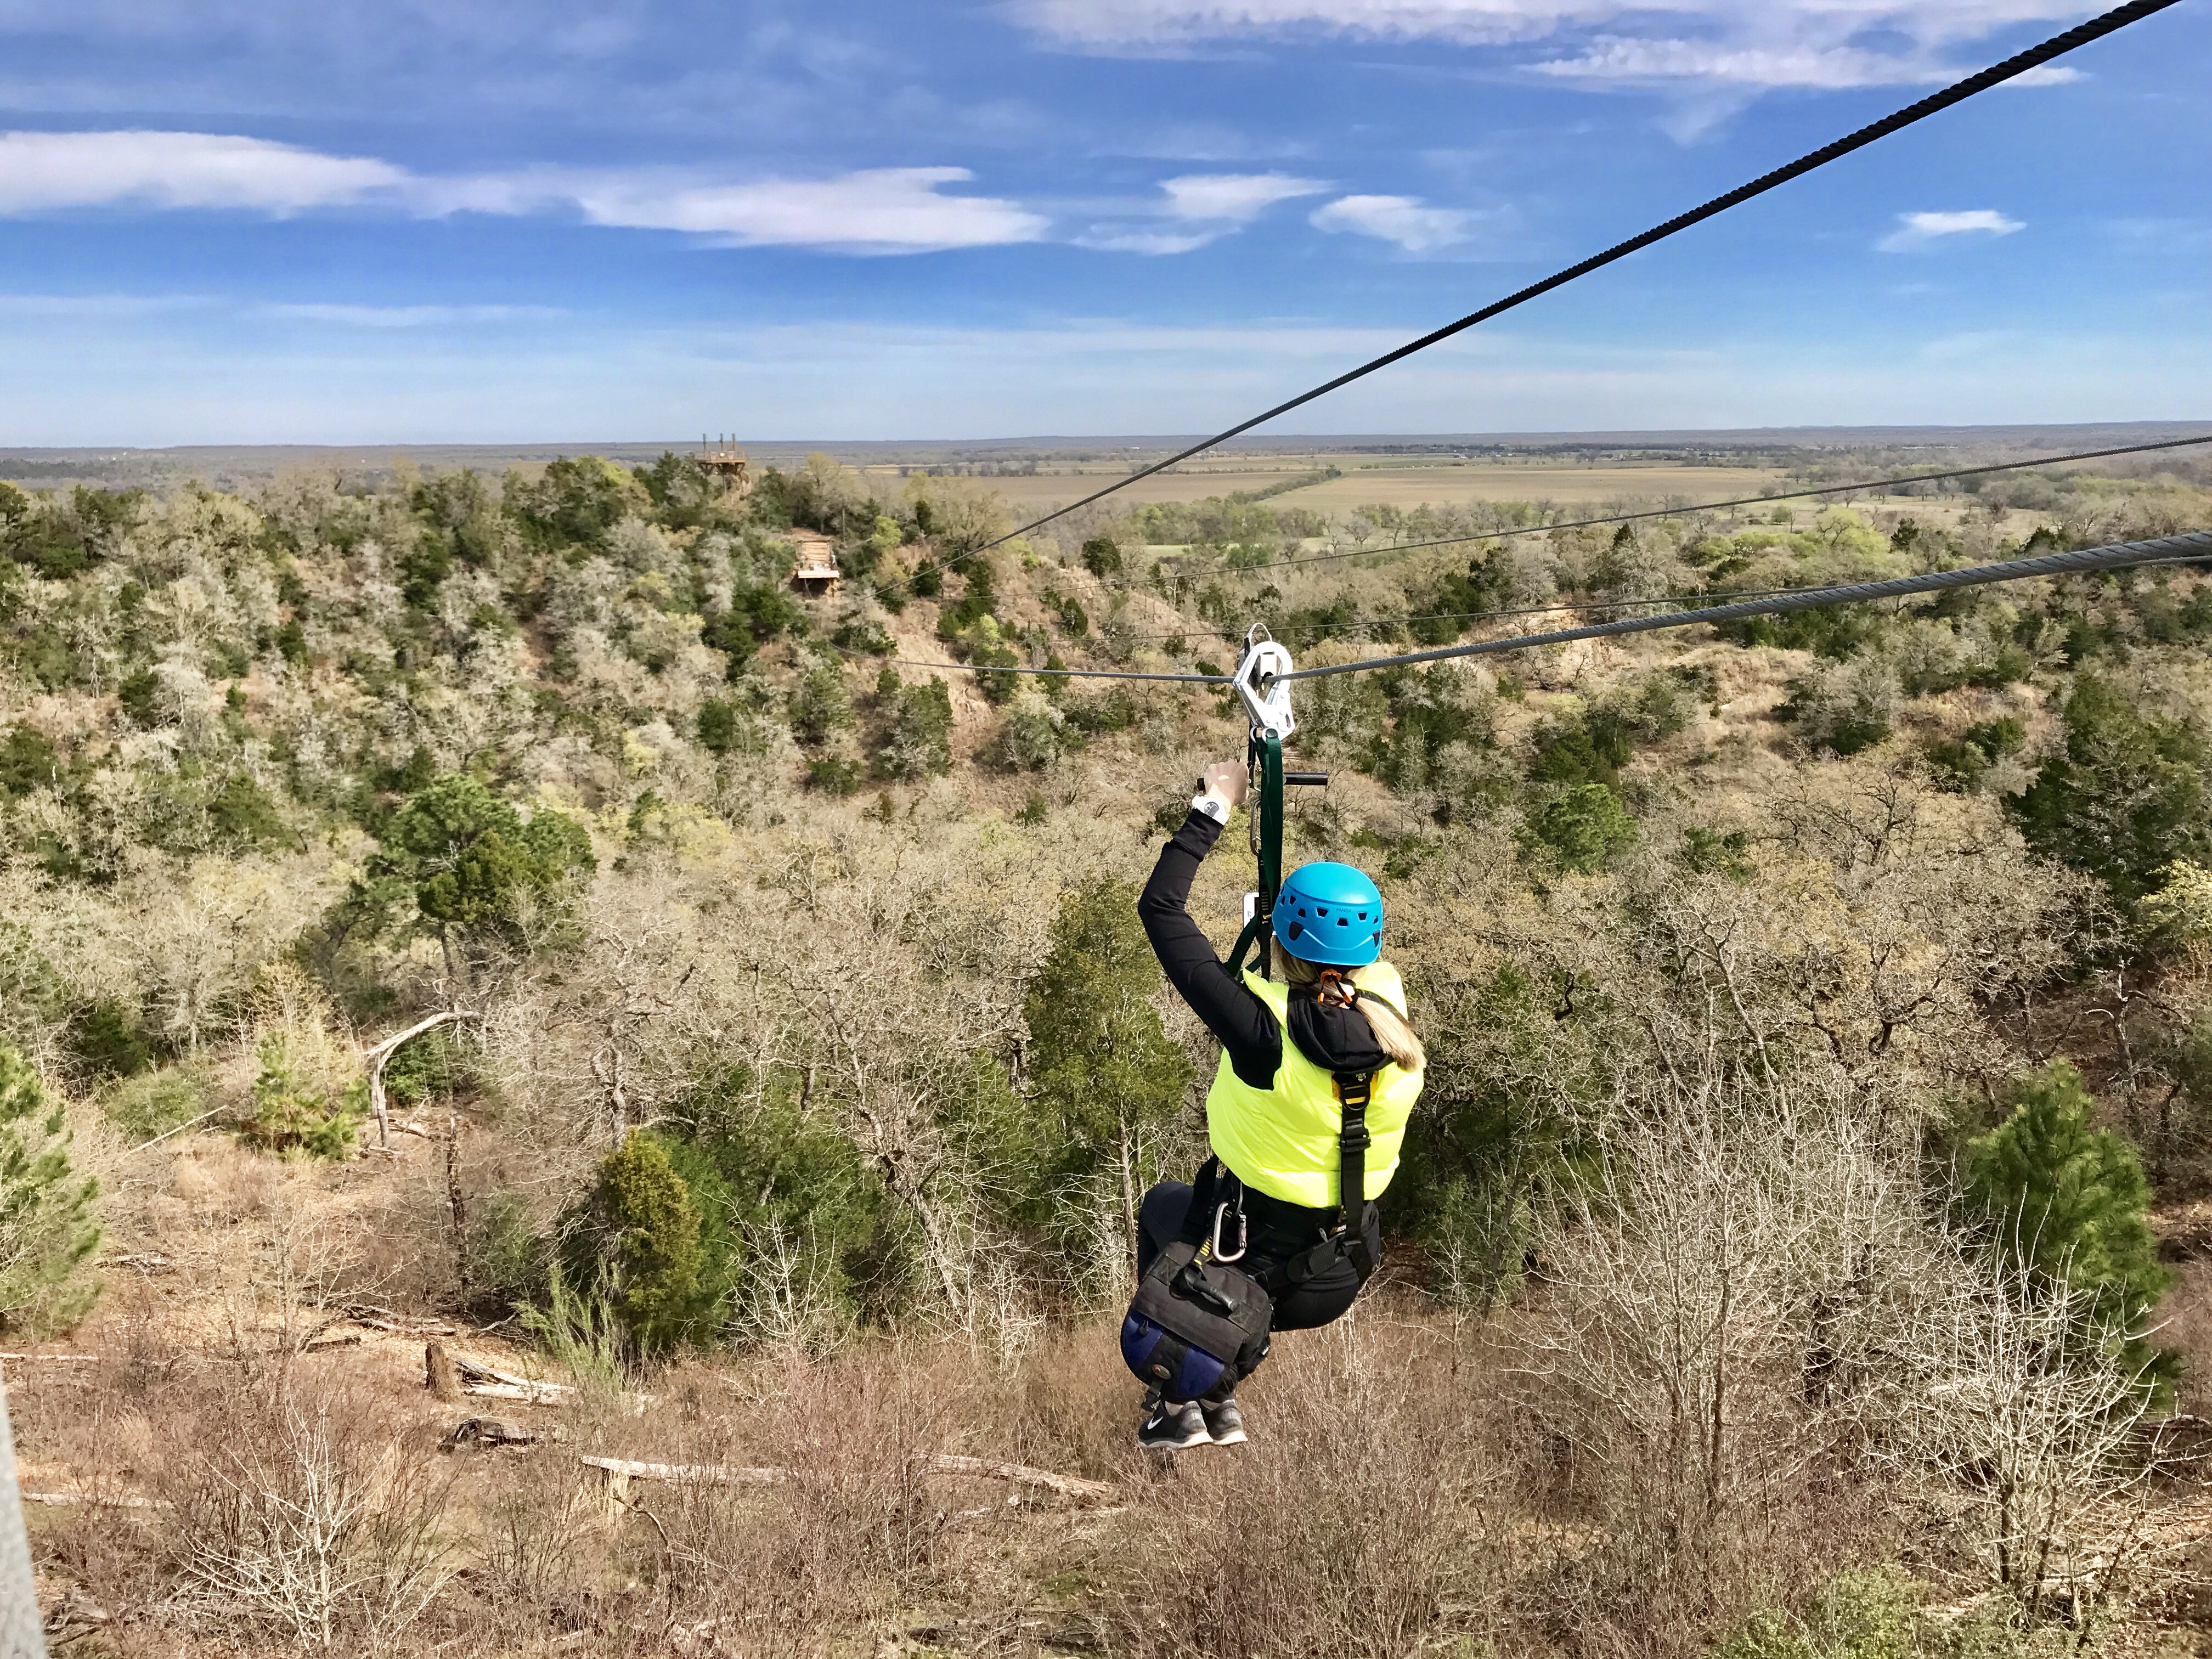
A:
{"points": [[2124, 800], [294, 1110], [820, 706], [919, 741], [1874, 1614], [1717, 852], [1575, 750], [505, 1252], [243, 814], [794, 1211], [28, 761], [32, 996], [468, 861], [641, 1239], [46, 1227], [436, 1065], [1843, 709], [1582, 829], [1958, 763], [863, 634], [153, 1102], [1034, 736], [834, 774], [718, 726], [108, 1041]]}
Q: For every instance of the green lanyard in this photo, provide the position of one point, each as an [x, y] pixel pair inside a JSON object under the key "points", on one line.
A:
{"points": [[1265, 756]]}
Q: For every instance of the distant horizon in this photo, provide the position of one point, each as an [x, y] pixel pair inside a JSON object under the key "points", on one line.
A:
{"points": [[1339, 441]]}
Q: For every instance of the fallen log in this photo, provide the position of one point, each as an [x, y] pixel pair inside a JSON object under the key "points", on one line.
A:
{"points": [[91, 1500], [369, 1316], [1068, 1485], [619, 1472], [487, 1431], [489, 1381]]}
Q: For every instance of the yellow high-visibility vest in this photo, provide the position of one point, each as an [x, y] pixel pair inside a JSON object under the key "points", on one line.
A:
{"points": [[1281, 1141]]}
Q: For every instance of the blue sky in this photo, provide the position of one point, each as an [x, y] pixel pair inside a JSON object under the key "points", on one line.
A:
{"points": [[386, 221]]}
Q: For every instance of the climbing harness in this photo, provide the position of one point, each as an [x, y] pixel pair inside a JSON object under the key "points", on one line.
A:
{"points": [[1198, 1318]]}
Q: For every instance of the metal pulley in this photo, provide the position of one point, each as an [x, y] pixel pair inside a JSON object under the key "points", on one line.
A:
{"points": [[1258, 685]]}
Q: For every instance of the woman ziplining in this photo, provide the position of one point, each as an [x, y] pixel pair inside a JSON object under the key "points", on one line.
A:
{"points": [[1319, 1074]]}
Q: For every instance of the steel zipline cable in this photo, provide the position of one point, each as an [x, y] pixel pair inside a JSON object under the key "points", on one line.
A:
{"points": [[1049, 673], [1718, 507], [2019, 63], [1518, 531], [2189, 546], [2166, 549]]}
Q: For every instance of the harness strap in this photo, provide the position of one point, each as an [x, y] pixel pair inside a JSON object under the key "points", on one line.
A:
{"points": [[1353, 1091]]}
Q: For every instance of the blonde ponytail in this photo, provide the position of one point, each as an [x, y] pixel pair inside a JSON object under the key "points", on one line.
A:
{"points": [[1392, 1033]]}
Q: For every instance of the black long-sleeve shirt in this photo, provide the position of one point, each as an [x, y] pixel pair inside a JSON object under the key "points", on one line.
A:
{"points": [[1335, 1037]]}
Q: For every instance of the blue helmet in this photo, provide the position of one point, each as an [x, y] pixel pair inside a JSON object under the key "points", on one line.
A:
{"points": [[1330, 914]]}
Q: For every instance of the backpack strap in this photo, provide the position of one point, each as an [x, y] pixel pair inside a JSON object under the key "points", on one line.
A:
{"points": [[1354, 1090], [1204, 1189]]}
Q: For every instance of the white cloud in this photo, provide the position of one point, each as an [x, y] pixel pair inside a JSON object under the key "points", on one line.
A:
{"points": [[1200, 208], [881, 210], [1824, 68], [1124, 23], [1917, 230], [409, 316], [1400, 219], [1239, 197], [43, 171], [1155, 242], [1749, 43]]}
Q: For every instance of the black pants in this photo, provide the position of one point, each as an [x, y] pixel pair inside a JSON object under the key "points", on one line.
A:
{"points": [[1277, 1232]]}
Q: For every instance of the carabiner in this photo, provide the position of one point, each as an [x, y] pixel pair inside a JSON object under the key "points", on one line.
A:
{"points": [[1244, 1234]]}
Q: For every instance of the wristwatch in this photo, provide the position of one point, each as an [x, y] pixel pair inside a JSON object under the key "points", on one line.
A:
{"points": [[1212, 806]]}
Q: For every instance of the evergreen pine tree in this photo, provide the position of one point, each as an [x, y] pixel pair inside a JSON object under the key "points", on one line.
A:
{"points": [[1103, 1069], [2067, 1201], [46, 1229]]}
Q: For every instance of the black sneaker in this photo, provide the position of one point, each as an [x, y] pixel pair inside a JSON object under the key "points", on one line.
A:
{"points": [[1224, 1424], [1172, 1427]]}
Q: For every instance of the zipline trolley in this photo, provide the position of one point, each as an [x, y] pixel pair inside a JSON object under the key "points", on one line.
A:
{"points": [[1259, 683]]}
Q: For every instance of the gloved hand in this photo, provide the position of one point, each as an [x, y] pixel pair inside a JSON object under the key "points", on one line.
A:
{"points": [[1225, 780]]}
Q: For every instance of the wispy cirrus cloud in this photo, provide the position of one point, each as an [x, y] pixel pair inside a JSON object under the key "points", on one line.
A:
{"points": [[1918, 230], [1198, 208], [1756, 43], [1405, 220], [1234, 198], [433, 316], [874, 210]]}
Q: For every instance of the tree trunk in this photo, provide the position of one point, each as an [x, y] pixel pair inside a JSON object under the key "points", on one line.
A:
{"points": [[1128, 1193]]}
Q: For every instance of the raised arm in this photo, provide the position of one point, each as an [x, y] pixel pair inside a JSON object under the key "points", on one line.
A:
{"points": [[1245, 1024]]}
